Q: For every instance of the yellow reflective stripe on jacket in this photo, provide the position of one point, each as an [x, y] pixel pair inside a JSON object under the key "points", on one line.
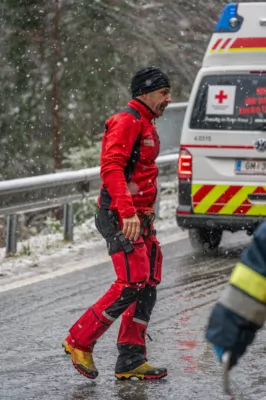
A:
{"points": [[244, 305], [251, 282]]}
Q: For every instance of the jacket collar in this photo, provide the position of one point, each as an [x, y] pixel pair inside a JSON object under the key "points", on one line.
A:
{"points": [[142, 108]]}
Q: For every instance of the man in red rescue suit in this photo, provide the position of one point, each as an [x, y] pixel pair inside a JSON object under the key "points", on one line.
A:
{"points": [[130, 147]]}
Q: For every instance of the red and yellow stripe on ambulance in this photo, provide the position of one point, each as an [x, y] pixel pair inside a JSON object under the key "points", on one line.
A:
{"points": [[226, 199], [240, 44]]}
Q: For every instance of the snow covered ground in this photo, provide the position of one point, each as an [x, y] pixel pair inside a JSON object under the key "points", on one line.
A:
{"points": [[50, 255]]}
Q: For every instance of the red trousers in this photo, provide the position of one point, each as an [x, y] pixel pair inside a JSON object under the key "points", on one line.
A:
{"points": [[132, 295]]}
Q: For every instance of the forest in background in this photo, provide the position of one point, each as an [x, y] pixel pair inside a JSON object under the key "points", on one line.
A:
{"points": [[66, 66]]}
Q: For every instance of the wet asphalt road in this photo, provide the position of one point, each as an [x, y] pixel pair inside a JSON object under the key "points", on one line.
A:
{"points": [[35, 318]]}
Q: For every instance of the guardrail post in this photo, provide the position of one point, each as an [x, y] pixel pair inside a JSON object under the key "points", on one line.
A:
{"points": [[68, 221], [11, 234], [157, 204]]}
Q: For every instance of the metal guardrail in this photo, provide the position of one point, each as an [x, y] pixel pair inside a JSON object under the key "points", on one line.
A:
{"points": [[51, 190], [65, 188]]}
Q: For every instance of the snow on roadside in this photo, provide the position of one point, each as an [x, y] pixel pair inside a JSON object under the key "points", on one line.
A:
{"points": [[48, 252]]}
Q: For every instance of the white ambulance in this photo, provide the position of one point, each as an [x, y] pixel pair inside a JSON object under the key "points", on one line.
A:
{"points": [[222, 160]]}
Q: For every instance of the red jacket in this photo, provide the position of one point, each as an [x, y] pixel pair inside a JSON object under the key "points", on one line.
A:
{"points": [[130, 147]]}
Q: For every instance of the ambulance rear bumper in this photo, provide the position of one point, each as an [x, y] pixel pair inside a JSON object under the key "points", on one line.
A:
{"points": [[233, 223]]}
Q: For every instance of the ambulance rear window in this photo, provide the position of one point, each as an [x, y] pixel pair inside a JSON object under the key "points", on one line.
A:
{"points": [[231, 102]]}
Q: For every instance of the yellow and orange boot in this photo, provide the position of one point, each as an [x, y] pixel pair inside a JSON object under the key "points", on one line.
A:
{"points": [[83, 362], [144, 371]]}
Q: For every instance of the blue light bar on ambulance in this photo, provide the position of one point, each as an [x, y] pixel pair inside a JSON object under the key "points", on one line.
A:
{"points": [[229, 21]]}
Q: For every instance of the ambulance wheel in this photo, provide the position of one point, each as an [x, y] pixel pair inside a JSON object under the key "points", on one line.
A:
{"points": [[205, 239]]}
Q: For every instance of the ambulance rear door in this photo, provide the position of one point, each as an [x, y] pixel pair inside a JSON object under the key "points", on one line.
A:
{"points": [[226, 138]]}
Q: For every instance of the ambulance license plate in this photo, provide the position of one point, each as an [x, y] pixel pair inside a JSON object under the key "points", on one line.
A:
{"points": [[250, 167]]}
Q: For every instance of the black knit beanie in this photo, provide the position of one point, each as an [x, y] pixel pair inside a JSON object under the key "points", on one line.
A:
{"points": [[148, 79]]}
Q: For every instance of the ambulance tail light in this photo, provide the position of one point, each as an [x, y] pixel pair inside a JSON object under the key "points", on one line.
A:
{"points": [[184, 170], [229, 21]]}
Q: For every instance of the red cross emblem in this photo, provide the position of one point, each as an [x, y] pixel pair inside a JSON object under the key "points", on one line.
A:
{"points": [[221, 97]]}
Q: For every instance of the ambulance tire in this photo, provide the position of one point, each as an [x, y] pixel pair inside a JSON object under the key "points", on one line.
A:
{"points": [[205, 239]]}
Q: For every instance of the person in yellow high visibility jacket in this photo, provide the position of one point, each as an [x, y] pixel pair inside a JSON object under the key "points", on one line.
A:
{"points": [[241, 309]]}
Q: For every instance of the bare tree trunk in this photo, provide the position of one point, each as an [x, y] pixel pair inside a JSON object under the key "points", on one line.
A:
{"points": [[55, 92], [56, 123]]}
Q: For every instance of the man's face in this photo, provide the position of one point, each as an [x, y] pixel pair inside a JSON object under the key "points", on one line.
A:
{"points": [[158, 100]]}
